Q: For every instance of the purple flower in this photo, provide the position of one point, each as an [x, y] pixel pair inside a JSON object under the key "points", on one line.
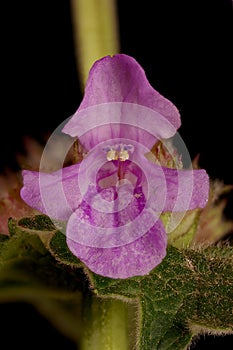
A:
{"points": [[113, 199]]}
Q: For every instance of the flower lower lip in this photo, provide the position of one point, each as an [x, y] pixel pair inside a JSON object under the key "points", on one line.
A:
{"points": [[101, 237]]}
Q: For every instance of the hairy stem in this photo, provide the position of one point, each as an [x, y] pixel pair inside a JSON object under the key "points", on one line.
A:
{"points": [[105, 325]]}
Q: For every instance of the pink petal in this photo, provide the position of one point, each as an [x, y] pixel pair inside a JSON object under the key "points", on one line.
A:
{"points": [[111, 218], [135, 259], [56, 195], [121, 79], [186, 189], [118, 93], [176, 190]]}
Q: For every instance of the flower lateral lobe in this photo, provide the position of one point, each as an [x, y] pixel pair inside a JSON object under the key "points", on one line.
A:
{"points": [[112, 200]]}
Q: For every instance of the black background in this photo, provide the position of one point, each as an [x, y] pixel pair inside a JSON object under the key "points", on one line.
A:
{"points": [[185, 49]]}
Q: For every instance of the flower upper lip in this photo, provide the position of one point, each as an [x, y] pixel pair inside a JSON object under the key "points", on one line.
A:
{"points": [[119, 120], [118, 98], [121, 79]]}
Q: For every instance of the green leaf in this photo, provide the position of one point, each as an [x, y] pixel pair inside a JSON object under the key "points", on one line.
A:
{"points": [[61, 252], [37, 223], [40, 225], [214, 296], [29, 273], [189, 290], [3, 239], [53, 240]]}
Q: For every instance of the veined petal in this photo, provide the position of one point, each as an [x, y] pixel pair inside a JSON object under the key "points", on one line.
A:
{"points": [[121, 79], [177, 190], [56, 194], [113, 211], [118, 120], [119, 101], [111, 218], [186, 189], [137, 258]]}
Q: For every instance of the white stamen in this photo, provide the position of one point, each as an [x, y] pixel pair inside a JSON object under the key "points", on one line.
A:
{"points": [[118, 152]]}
